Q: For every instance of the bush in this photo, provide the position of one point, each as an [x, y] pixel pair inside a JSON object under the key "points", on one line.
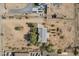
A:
{"points": [[43, 46], [59, 51], [18, 28], [49, 48], [31, 24], [33, 38], [28, 44], [33, 34], [75, 52], [3, 17]]}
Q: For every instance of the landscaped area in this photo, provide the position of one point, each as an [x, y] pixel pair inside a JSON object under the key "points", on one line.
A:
{"points": [[33, 33]]}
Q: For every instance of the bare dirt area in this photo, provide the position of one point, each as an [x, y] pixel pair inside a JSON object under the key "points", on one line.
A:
{"points": [[61, 32], [15, 5], [62, 10], [24, 25], [14, 36]]}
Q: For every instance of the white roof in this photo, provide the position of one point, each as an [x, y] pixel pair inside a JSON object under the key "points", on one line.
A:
{"points": [[34, 9], [40, 26], [43, 35]]}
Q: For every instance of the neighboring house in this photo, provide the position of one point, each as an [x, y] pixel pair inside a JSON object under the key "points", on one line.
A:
{"points": [[38, 10], [43, 34], [29, 9]]}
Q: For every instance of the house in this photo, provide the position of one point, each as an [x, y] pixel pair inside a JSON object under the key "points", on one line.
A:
{"points": [[43, 35], [38, 10]]}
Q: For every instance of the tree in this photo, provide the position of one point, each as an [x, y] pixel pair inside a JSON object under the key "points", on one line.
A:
{"points": [[43, 46], [33, 36], [59, 51], [49, 48], [75, 51], [18, 28], [33, 33]]}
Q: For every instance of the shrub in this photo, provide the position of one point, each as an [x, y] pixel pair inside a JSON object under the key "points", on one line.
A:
{"points": [[18, 28], [59, 51], [33, 34], [75, 52], [33, 37], [49, 48]]}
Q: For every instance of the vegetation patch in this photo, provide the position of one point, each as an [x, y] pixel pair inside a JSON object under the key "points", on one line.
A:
{"points": [[59, 51], [48, 48], [18, 27], [33, 33]]}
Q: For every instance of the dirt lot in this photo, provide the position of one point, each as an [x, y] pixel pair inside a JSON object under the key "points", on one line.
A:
{"points": [[62, 10], [14, 39], [15, 5], [61, 32]]}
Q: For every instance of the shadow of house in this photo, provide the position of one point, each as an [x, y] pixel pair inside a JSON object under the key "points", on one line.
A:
{"points": [[27, 37]]}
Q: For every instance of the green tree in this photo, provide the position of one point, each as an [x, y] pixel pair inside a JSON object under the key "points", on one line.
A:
{"points": [[49, 48], [59, 51], [33, 38], [33, 33]]}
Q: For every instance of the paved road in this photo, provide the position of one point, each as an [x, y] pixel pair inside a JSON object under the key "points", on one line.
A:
{"points": [[27, 9]]}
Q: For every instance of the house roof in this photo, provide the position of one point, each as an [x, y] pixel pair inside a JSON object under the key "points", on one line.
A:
{"points": [[43, 35]]}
